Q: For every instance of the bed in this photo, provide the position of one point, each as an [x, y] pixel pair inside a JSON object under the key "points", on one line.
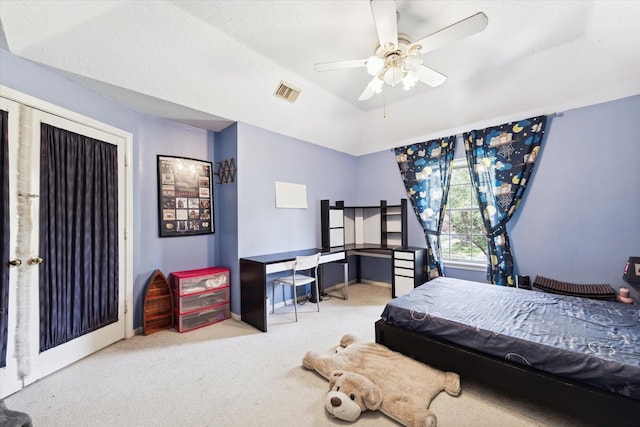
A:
{"points": [[581, 356]]}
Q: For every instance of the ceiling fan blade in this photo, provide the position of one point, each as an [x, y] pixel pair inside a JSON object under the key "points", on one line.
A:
{"points": [[384, 15], [368, 91], [461, 29], [430, 77], [340, 65]]}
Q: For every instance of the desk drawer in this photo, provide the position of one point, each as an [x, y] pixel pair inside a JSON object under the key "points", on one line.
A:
{"points": [[403, 255], [404, 272], [402, 285], [403, 263]]}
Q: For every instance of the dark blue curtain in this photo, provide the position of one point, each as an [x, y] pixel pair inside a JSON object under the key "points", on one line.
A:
{"points": [[501, 160], [4, 233], [78, 235], [426, 171]]}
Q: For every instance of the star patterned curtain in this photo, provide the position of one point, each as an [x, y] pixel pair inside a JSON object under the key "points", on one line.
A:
{"points": [[426, 171], [501, 160]]}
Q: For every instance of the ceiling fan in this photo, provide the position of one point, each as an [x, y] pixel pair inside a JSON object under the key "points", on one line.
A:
{"points": [[396, 59]]}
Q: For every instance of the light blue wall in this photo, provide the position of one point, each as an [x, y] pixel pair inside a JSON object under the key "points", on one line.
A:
{"points": [[265, 157], [226, 208], [579, 220], [247, 222], [168, 253], [150, 137], [379, 179]]}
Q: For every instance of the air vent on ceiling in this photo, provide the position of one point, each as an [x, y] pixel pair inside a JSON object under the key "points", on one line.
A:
{"points": [[287, 92]]}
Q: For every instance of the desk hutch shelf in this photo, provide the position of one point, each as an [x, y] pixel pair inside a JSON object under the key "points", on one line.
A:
{"points": [[375, 231], [384, 225]]}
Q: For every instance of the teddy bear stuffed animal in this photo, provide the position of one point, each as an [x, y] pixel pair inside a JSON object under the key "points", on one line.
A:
{"points": [[351, 394], [369, 376]]}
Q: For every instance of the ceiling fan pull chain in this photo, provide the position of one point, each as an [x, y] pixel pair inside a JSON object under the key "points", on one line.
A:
{"points": [[384, 107]]}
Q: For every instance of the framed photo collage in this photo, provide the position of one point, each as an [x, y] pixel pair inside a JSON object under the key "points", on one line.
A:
{"points": [[185, 194]]}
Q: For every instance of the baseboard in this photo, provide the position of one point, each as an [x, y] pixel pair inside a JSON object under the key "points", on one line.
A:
{"points": [[304, 298], [337, 286], [373, 282], [301, 299], [351, 282]]}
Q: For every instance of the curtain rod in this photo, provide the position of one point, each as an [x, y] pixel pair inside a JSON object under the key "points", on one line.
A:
{"points": [[554, 114]]}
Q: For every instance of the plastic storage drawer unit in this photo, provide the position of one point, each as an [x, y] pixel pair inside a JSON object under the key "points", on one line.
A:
{"points": [[194, 302], [204, 279], [201, 297], [200, 318]]}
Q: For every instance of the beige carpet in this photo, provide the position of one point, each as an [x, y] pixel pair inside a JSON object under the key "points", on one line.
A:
{"points": [[230, 374]]}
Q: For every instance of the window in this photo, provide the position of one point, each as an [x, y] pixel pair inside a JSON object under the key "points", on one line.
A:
{"points": [[462, 236]]}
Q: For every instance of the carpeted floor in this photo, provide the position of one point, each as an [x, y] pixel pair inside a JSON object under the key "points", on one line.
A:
{"points": [[230, 374]]}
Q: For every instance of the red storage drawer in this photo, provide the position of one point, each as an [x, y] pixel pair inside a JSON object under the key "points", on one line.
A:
{"points": [[194, 302], [200, 318], [201, 280], [201, 297]]}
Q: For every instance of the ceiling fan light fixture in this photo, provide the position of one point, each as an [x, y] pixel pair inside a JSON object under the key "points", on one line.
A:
{"points": [[412, 62], [415, 49], [409, 80], [374, 65], [396, 59], [388, 47], [393, 75]]}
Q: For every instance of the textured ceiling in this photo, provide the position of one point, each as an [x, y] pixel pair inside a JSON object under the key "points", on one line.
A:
{"points": [[210, 63]]}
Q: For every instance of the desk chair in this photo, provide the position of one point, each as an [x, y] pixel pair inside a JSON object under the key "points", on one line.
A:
{"points": [[301, 263]]}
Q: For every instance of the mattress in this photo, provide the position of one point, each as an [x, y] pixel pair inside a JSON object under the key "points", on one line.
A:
{"points": [[589, 341]]}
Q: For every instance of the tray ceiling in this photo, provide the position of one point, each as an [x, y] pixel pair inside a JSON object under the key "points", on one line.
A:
{"points": [[212, 63]]}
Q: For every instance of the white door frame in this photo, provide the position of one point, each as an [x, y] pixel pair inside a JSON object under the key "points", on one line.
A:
{"points": [[43, 109]]}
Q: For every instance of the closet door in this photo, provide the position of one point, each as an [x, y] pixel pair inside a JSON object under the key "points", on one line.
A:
{"points": [[63, 322], [48, 328]]}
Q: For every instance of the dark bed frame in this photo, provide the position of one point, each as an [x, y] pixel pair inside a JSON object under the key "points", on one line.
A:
{"points": [[589, 403]]}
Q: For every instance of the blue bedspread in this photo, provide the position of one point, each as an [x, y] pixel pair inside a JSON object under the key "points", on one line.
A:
{"points": [[589, 341]]}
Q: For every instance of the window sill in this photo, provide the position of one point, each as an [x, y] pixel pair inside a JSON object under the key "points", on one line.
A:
{"points": [[463, 265]]}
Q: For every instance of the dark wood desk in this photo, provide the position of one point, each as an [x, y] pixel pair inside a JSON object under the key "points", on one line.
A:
{"points": [[254, 271], [253, 280]]}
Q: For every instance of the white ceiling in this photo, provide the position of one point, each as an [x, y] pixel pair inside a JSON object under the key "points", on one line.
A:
{"points": [[210, 63]]}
